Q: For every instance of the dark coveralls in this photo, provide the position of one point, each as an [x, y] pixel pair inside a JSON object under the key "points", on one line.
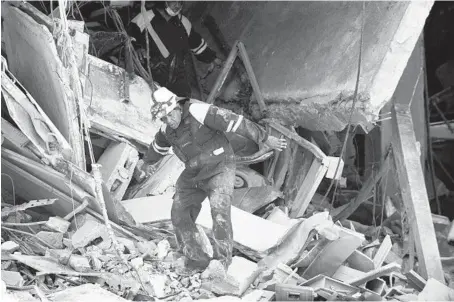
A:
{"points": [[200, 142], [169, 42]]}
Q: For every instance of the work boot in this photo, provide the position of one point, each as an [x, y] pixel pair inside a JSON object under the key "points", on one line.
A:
{"points": [[185, 267]]}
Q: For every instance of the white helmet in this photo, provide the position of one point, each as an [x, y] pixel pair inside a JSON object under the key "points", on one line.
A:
{"points": [[164, 101]]}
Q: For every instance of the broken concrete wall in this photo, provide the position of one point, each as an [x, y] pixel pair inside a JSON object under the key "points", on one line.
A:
{"points": [[412, 80], [305, 54], [33, 59]]}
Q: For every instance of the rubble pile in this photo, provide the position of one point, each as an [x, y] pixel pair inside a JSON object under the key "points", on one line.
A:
{"points": [[70, 233]]}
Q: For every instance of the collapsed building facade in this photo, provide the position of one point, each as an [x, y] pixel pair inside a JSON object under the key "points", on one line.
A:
{"points": [[344, 82]]}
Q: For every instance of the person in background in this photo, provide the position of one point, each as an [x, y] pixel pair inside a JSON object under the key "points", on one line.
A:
{"points": [[171, 36], [196, 132]]}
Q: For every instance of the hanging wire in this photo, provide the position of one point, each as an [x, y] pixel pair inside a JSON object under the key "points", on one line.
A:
{"points": [[351, 110]]}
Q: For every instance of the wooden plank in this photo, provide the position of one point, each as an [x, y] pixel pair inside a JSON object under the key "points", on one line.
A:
{"points": [[223, 74], [332, 256], [414, 192], [381, 271], [360, 261], [308, 188], [440, 130], [255, 85], [344, 212], [382, 252], [298, 139]]}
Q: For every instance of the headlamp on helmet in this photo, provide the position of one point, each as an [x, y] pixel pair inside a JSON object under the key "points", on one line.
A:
{"points": [[164, 101]]}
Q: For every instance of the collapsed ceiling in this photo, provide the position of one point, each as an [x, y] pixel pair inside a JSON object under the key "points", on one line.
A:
{"points": [[305, 54]]}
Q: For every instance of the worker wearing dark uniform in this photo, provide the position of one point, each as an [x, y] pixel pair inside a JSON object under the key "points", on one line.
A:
{"points": [[196, 133], [171, 36]]}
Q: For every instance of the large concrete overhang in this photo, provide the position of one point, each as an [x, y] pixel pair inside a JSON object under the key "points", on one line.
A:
{"points": [[305, 54]]}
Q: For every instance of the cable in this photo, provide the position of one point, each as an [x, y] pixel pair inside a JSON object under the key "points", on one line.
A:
{"points": [[351, 110]]}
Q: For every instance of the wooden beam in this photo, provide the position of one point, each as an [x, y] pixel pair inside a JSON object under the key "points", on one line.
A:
{"points": [[414, 192], [298, 139], [309, 186], [440, 130], [223, 74], [345, 211], [250, 72]]}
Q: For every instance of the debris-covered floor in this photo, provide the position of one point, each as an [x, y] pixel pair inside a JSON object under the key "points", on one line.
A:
{"points": [[326, 219]]}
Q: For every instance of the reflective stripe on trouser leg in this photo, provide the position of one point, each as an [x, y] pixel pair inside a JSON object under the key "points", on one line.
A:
{"points": [[222, 226]]}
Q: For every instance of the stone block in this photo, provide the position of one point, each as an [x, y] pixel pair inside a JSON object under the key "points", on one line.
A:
{"points": [[9, 247], [12, 278], [90, 231], [53, 239]]}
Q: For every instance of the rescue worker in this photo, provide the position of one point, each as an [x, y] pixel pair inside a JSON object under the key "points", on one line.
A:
{"points": [[171, 37], [196, 132]]}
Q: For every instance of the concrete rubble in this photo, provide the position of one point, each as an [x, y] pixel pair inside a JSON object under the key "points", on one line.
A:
{"points": [[290, 242]]}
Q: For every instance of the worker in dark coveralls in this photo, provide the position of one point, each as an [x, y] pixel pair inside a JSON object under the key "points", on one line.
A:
{"points": [[196, 133], [171, 37]]}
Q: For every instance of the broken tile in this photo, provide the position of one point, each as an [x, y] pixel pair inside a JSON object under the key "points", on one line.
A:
{"points": [[88, 232], [146, 247], [57, 224], [62, 255], [239, 276], [214, 271], [137, 262], [129, 244], [12, 278], [159, 284], [9, 247], [79, 263], [53, 239], [163, 249]]}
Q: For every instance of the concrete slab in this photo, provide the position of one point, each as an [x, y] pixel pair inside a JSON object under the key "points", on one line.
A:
{"points": [[155, 209], [106, 106], [118, 162], [305, 54], [46, 79]]}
